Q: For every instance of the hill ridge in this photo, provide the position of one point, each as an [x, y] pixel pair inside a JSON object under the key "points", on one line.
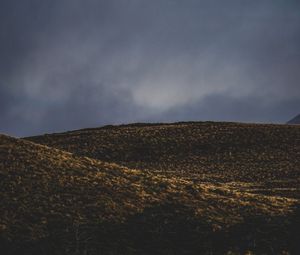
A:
{"points": [[156, 124], [295, 120], [209, 149], [158, 189]]}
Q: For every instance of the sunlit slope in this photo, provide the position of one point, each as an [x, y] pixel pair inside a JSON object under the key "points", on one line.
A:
{"points": [[48, 194], [41, 184], [211, 151]]}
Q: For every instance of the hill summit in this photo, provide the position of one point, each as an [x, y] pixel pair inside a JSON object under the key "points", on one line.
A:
{"points": [[295, 120]]}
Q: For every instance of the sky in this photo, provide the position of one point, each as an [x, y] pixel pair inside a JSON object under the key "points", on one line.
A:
{"points": [[71, 64]]}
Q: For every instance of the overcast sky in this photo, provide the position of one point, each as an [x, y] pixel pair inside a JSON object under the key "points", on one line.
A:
{"points": [[70, 64]]}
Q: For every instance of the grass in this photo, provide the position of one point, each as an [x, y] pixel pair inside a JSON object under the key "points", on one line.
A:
{"points": [[185, 188], [200, 151]]}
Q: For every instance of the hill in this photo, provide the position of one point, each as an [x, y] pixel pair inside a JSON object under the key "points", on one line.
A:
{"points": [[56, 202], [256, 157], [295, 120]]}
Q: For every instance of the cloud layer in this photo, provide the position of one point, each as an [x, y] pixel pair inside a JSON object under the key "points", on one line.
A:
{"points": [[81, 63]]}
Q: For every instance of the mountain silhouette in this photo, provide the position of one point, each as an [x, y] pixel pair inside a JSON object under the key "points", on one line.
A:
{"points": [[295, 120]]}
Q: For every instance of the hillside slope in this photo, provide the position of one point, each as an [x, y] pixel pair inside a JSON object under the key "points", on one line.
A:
{"points": [[262, 158], [295, 120], [53, 202]]}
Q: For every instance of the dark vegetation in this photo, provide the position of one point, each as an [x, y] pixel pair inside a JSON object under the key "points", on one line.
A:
{"points": [[261, 158], [184, 188]]}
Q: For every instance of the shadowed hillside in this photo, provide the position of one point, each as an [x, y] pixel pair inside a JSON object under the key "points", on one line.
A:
{"points": [[256, 157], [54, 202], [295, 120]]}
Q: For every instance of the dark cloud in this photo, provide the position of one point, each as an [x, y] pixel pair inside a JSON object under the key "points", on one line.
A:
{"points": [[245, 109], [67, 64]]}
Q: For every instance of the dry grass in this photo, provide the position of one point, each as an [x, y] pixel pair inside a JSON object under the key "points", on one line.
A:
{"points": [[187, 188], [266, 155]]}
